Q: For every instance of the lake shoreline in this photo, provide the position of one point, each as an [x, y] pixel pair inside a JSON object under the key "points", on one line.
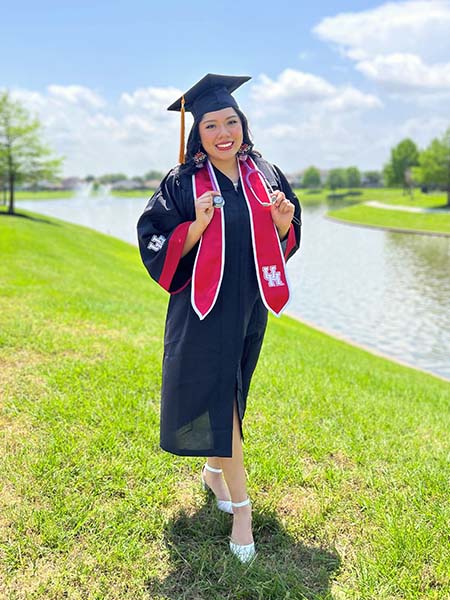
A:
{"points": [[344, 449], [386, 228], [370, 349]]}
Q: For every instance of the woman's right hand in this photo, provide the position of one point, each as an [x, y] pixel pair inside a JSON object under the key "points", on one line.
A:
{"points": [[204, 209]]}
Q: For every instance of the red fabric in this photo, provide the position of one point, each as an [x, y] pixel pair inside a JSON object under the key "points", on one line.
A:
{"points": [[208, 268], [268, 255], [269, 260], [291, 241], [173, 254]]}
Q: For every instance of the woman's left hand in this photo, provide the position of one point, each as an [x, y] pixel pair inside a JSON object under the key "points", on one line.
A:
{"points": [[282, 211]]}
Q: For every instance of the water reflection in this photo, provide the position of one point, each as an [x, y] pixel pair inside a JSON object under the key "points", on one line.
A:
{"points": [[388, 291]]}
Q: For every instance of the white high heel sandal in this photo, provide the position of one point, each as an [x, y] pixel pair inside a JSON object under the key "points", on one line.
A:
{"points": [[223, 505], [245, 553]]}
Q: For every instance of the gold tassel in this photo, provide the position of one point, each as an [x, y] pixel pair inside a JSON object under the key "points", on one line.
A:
{"points": [[181, 157]]}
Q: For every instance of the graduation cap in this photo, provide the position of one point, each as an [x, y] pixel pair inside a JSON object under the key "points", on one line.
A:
{"points": [[212, 92]]}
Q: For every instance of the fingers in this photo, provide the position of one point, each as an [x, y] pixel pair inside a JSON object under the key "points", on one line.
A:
{"points": [[281, 203], [205, 201]]}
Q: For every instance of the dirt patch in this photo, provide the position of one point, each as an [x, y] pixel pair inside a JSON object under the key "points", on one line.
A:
{"points": [[19, 372]]}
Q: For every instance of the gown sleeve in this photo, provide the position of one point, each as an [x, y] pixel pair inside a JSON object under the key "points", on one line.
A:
{"points": [[291, 242], [162, 231]]}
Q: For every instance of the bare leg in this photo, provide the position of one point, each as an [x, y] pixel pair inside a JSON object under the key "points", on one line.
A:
{"points": [[234, 472], [215, 480]]}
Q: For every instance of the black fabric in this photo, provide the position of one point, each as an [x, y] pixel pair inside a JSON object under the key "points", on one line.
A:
{"points": [[208, 363], [212, 92]]}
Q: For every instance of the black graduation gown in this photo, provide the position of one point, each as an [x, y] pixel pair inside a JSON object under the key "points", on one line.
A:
{"points": [[207, 363]]}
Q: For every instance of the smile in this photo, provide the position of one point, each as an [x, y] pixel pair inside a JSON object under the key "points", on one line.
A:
{"points": [[223, 147]]}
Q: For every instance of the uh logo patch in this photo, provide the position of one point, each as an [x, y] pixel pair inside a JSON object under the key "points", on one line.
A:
{"points": [[272, 276], [156, 243]]}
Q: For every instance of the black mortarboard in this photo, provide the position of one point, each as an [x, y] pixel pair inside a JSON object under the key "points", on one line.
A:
{"points": [[212, 92]]}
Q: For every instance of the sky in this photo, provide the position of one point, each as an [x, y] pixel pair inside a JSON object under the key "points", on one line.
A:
{"points": [[333, 83]]}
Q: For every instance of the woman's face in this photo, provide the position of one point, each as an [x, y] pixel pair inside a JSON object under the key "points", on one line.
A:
{"points": [[221, 133]]}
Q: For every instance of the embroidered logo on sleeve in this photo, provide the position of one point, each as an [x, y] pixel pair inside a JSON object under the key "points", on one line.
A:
{"points": [[156, 243], [272, 276]]}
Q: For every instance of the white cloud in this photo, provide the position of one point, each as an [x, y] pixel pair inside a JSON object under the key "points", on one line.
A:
{"points": [[422, 129], [153, 99], [292, 88], [403, 71], [297, 119], [131, 136], [402, 46], [76, 94], [349, 98], [418, 27]]}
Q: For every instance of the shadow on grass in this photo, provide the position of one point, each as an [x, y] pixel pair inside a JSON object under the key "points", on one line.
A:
{"points": [[4, 213], [202, 567]]}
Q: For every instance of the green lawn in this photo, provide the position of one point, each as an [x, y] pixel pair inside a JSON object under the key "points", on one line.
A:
{"points": [[385, 195], [44, 195], [347, 453], [396, 219]]}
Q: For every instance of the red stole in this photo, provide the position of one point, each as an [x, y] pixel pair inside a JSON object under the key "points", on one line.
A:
{"points": [[268, 255]]}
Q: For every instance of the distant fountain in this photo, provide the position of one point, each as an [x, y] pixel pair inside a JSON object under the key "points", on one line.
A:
{"points": [[84, 189], [104, 190], [87, 189]]}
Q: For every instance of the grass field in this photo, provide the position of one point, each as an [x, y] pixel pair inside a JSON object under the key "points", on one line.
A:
{"points": [[396, 219], [44, 195], [385, 195], [347, 453]]}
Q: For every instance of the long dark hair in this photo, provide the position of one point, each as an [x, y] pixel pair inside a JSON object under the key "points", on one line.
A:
{"points": [[194, 143]]}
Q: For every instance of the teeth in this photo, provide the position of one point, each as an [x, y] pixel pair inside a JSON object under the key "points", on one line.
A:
{"points": [[225, 145]]}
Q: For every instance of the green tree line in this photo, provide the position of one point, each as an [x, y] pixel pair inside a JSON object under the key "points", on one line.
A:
{"points": [[407, 166], [24, 157]]}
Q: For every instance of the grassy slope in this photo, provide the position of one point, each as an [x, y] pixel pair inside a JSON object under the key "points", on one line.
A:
{"points": [[44, 195], [385, 195], [378, 217], [347, 454]]}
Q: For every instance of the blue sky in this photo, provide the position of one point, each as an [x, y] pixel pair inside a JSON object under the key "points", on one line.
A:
{"points": [[334, 83]]}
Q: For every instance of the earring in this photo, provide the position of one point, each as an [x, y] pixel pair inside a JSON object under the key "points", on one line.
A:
{"points": [[244, 151], [199, 159]]}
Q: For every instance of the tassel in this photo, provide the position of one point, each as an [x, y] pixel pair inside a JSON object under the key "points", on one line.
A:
{"points": [[181, 156]]}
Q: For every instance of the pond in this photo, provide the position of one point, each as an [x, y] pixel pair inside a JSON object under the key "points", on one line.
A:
{"points": [[387, 291]]}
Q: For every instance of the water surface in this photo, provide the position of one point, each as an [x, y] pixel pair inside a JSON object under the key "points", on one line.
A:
{"points": [[388, 291]]}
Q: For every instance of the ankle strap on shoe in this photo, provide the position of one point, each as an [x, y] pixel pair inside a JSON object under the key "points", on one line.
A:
{"points": [[213, 469], [243, 503]]}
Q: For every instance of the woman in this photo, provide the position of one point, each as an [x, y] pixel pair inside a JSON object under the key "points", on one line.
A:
{"points": [[216, 235]]}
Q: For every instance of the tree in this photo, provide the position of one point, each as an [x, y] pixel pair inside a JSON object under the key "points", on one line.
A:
{"points": [[403, 156], [23, 156], [353, 177], [336, 179], [434, 164], [373, 177], [311, 178], [112, 178], [153, 175]]}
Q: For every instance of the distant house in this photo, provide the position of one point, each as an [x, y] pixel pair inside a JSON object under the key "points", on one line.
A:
{"points": [[152, 184], [71, 183], [42, 185], [127, 184], [294, 180], [367, 183]]}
